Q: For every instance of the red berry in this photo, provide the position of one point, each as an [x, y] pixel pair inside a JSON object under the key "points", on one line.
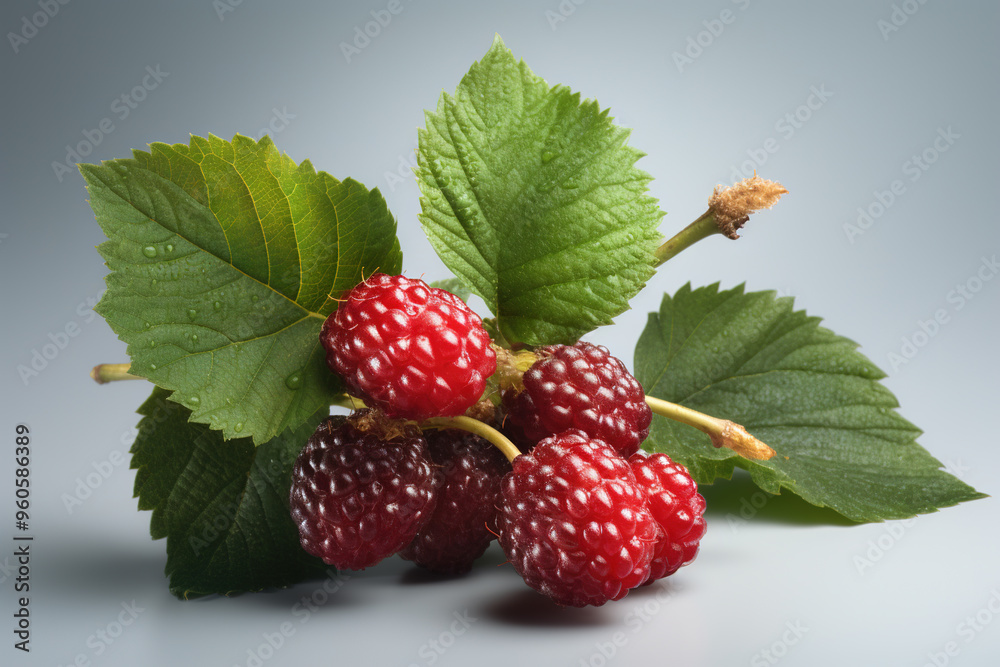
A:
{"points": [[413, 350], [582, 387], [471, 470], [574, 522], [358, 497], [676, 505]]}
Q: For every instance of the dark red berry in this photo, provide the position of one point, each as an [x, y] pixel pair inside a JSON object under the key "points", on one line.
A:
{"points": [[582, 387], [515, 433], [676, 505], [413, 350], [471, 470], [574, 522], [358, 497]]}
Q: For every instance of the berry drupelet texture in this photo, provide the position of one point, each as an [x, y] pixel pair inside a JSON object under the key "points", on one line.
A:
{"points": [[458, 532], [574, 523], [677, 507], [358, 497], [414, 351], [583, 387]]}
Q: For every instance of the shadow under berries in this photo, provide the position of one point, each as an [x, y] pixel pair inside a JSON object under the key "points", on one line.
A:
{"points": [[529, 609]]}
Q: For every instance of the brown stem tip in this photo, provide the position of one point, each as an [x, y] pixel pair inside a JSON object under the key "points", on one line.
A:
{"points": [[736, 438], [732, 205]]}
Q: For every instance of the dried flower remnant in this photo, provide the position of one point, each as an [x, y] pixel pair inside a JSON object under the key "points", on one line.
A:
{"points": [[729, 208], [733, 205]]}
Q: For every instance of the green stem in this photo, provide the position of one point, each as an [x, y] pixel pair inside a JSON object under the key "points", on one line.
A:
{"points": [[701, 228], [349, 402], [724, 433], [485, 431], [477, 427], [684, 415], [103, 373]]}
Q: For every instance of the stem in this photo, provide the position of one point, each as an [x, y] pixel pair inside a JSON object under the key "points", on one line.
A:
{"points": [[684, 415], [103, 373], [485, 431], [701, 228], [724, 433]]}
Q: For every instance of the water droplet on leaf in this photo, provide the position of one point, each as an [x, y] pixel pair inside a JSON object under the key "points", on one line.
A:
{"points": [[149, 251]]}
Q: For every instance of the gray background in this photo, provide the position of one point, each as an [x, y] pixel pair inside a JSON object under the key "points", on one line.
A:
{"points": [[786, 567]]}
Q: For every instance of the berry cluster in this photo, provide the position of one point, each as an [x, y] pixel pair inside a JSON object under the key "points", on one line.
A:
{"points": [[361, 493], [583, 514]]}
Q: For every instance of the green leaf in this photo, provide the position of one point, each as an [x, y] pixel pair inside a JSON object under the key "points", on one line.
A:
{"points": [[532, 199], [226, 258], [222, 505], [805, 391]]}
